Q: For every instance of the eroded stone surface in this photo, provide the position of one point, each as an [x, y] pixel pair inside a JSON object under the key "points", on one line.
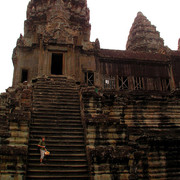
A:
{"points": [[56, 21], [129, 99], [143, 36], [15, 116], [132, 137]]}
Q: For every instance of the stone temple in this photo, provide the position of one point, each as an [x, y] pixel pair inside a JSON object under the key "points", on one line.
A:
{"points": [[105, 114]]}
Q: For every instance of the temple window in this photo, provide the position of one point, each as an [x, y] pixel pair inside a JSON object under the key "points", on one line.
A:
{"points": [[109, 82], [165, 83], [89, 78], [24, 75], [123, 82], [138, 83]]}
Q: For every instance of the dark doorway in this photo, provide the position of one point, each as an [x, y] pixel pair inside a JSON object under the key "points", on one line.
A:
{"points": [[24, 75], [57, 62]]}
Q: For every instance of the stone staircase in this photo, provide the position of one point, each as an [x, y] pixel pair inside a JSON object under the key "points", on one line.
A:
{"points": [[56, 115]]}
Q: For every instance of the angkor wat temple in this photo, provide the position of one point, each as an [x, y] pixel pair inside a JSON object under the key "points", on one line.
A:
{"points": [[106, 114]]}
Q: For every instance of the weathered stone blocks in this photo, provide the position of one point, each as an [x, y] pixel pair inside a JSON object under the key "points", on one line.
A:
{"points": [[134, 140]]}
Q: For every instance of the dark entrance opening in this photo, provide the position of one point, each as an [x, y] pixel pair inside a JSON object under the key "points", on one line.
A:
{"points": [[57, 62], [24, 75]]}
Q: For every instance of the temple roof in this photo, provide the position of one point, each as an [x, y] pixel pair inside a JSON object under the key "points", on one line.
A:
{"points": [[143, 36], [132, 55]]}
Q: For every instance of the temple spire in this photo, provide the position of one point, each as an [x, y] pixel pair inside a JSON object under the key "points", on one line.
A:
{"points": [[143, 36]]}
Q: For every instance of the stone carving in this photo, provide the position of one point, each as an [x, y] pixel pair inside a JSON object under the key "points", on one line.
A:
{"points": [[58, 21], [143, 36], [129, 99]]}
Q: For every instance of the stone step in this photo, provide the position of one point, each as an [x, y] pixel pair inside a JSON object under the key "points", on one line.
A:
{"points": [[57, 82], [58, 115], [41, 103], [35, 149], [62, 123], [54, 100], [56, 104], [59, 149], [52, 77], [67, 173], [57, 166], [58, 177], [57, 123], [56, 89], [57, 136], [56, 96], [58, 145], [74, 142], [56, 86], [60, 141], [61, 134], [57, 93], [58, 129], [61, 161], [58, 155], [55, 110]]}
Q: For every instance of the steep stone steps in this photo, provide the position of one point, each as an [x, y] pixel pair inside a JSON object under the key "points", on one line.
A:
{"points": [[56, 115]]}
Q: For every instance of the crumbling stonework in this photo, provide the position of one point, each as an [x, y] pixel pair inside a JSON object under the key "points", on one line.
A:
{"points": [[52, 26], [128, 101], [127, 135], [57, 21], [143, 36], [15, 117]]}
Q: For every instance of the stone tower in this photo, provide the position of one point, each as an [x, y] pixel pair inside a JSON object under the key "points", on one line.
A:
{"points": [[107, 114], [52, 30], [143, 36]]}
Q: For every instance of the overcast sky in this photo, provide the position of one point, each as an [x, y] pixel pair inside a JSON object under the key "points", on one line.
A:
{"points": [[111, 21]]}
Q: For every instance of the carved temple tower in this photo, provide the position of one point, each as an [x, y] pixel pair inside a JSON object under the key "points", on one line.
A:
{"points": [[143, 36], [53, 32], [106, 114]]}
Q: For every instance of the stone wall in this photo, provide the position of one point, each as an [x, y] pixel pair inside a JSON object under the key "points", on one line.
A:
{"points": [[134, 136], [15, 115]]}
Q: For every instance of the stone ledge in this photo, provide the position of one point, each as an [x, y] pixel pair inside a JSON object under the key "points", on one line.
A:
{"points": [[13, 150]]}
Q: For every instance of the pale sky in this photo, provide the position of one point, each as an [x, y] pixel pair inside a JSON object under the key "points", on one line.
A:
{"points": [[110, 21]]}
